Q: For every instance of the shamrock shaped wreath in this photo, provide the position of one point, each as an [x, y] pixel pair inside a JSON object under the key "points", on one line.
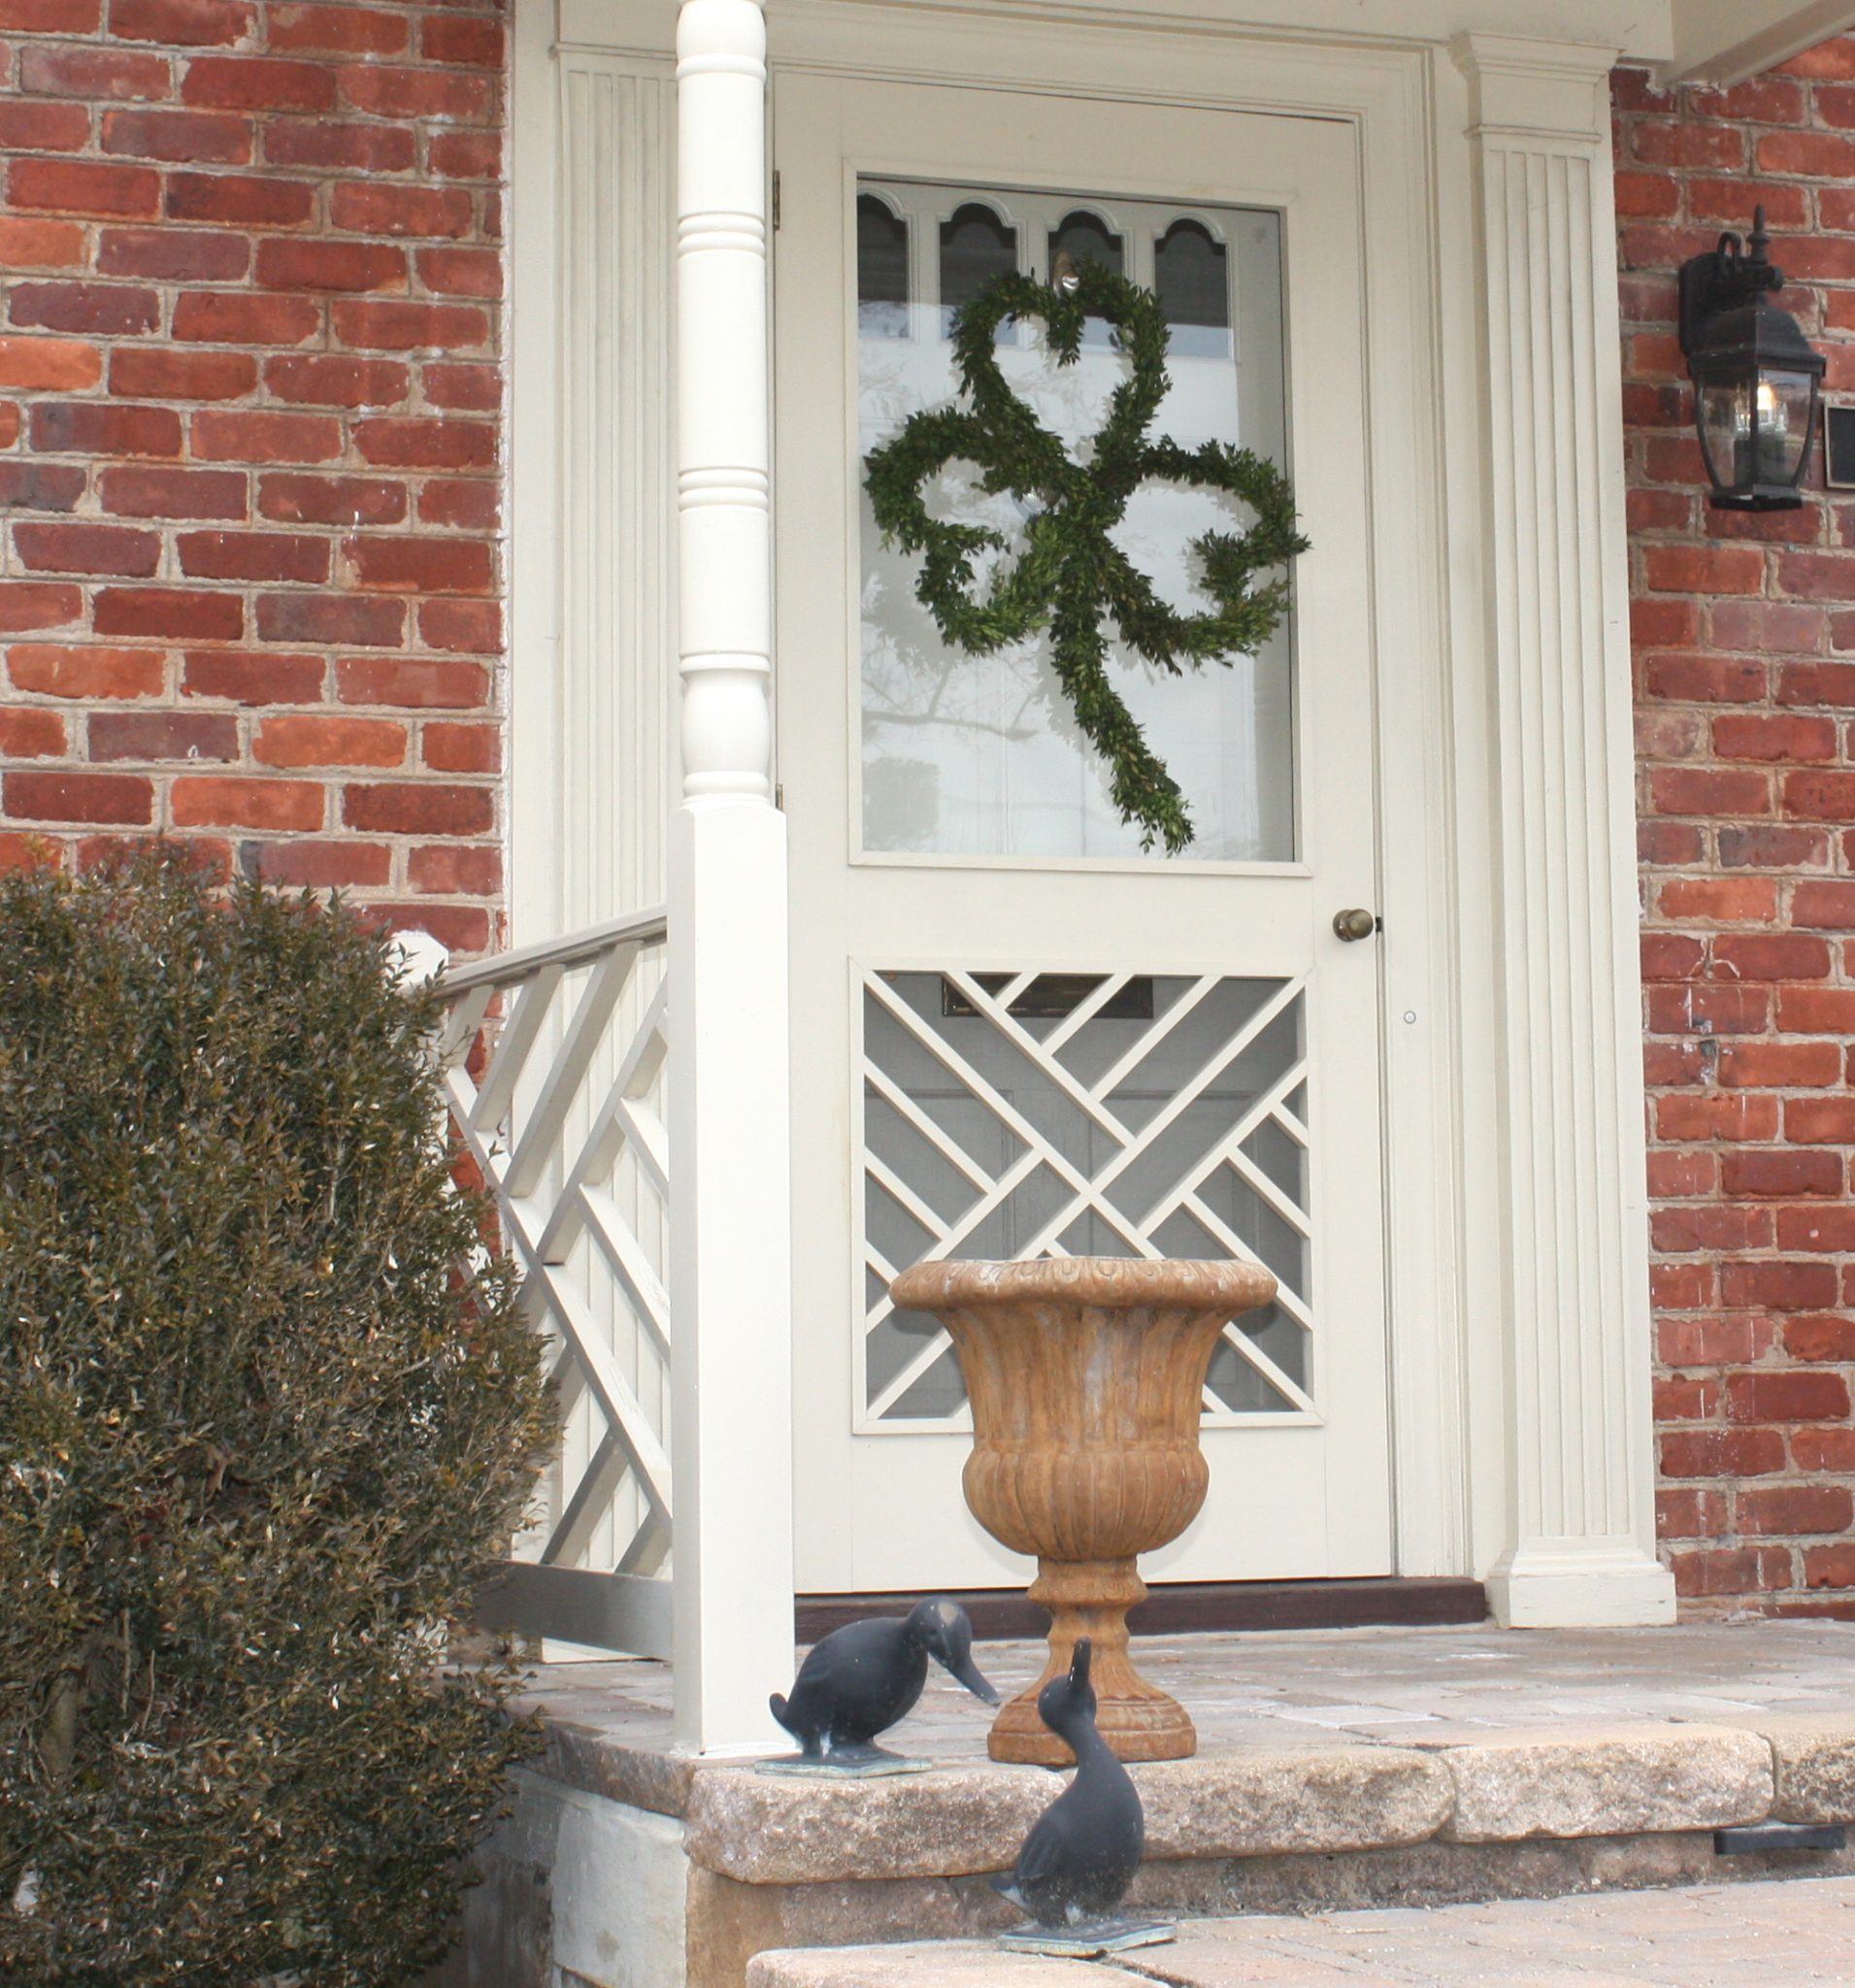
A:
{"points": [[1070, 575]]}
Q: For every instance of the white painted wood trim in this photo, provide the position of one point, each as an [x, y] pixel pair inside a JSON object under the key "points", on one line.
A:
{"points": [[1581, 1544], [731, 1212]]}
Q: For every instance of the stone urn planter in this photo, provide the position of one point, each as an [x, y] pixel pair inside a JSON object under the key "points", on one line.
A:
{"points": [[1086, 1374]]}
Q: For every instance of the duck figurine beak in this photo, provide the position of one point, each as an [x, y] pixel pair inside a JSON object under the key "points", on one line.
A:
{"points": [[968, 1673], [949, 1637]]}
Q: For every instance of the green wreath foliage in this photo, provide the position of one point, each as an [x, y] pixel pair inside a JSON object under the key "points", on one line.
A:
{"points": [[1071, 577]]}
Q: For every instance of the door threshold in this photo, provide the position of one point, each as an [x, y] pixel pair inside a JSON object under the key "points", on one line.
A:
{"points": [[1194, 1607]]}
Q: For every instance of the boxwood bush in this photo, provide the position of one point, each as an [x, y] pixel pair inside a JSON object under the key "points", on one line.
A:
{"points": [[266, 1409]]}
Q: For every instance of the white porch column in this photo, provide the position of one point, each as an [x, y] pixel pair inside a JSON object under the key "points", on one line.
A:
{"points": [[731, 1418], [1581, 1545]]}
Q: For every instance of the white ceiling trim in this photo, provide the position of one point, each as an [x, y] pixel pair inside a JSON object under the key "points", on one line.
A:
{"points": [[1726, 41]]}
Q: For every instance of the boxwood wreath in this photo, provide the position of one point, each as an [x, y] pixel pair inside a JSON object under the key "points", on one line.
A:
{"points": [[1071, 577]]}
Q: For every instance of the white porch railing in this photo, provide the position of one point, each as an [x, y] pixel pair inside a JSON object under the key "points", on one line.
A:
{"points": [[565, 1118]]}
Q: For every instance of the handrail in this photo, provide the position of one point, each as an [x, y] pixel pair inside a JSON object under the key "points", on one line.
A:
{"points": [[573, 950]]}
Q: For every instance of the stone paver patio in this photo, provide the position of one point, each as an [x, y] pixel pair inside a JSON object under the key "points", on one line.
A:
{"points": [[1708, 1937]]}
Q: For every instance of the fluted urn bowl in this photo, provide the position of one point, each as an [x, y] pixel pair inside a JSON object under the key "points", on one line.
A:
{"points": [[1087, 1375]]}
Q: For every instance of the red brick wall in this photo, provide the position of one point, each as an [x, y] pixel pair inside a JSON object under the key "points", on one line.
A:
{"points": [[1744, 638], [250, 439]]}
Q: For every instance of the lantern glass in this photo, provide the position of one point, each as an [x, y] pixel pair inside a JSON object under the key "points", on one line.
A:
{"points": [[1783, 405], [1726, 430]]}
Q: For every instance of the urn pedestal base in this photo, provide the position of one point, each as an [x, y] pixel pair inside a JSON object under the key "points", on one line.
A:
{"points": [[1139, 1721]]}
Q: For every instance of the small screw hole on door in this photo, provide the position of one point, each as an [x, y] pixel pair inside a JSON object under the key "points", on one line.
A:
{"points": [[1355, 924]]}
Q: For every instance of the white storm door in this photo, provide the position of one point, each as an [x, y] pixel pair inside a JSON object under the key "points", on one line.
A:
{"points": [[1014, 1032]]}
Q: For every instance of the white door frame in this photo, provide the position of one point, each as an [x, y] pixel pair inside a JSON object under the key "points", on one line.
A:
{"points": [[1521, 1420]]}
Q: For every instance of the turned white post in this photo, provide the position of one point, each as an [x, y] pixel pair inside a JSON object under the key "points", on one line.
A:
{"points": [[1581, 1538], [730, 1442]]}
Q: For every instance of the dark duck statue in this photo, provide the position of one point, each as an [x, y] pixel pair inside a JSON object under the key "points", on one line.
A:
{"points": [[860, 1680], [1083, 1850]]}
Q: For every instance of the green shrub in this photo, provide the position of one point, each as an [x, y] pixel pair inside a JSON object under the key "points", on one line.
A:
{"points": [[267, 1406]]}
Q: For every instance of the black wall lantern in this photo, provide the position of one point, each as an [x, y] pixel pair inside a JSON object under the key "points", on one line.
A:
{"points": [[1755, 377]]}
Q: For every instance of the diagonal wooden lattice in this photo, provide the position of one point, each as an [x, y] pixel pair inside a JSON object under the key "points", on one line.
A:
{"points": [[1111, 1188], [564, 1122]]}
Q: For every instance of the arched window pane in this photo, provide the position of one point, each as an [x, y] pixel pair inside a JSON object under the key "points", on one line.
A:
{"points": [[976, 246], [1192, 277], [1083, 237], [883, 269]]}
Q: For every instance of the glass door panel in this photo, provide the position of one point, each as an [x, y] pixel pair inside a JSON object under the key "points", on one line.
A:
{"points": [[978, 756]]}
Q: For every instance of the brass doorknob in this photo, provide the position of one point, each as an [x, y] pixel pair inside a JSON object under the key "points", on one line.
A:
{"points": [[1355, 924]]}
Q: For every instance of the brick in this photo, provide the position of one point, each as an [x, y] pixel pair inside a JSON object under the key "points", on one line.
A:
{"points": [[365, 623], [331, 500], [41, 485], [43, 127], [1722, 1452], [460, 928], [70, 548], [461, 272], [99, 428], [1779, 1066], [412, 683], [1829, 1567], [1694, 790], [339, 30], [1816, 1228], [48, 365], [33, 243], [95, 74], [1689, 1513], [237, 82], [1823, 904], [179, 613], [474, 506], [78, 797], [229, 801], [462, 748], [150, 735], [475, 39], [330, 742], [84, 186], [1712, 1342], [1813, 155], [1764, 1396], [1712, 1226], [456, 869], [412, 443], [28, 733], [1728, 1570], [174, 254], [87, 674], [1819, 796], [104, 309], [240, 199], [1719, 900], [161, 372], [1685, 677], [373, 208], [28, 604], [468, 389], [265, 438], [1773, 956], [387, 326], [1824, 1121], [184, 24], [211, 317], [284, 263], [1816, 1010], [419, 807], [1772, 847], [321, 865], [1778, 1175], [420, 565], [385, 90], [179, 137], [1683, 1287], [1687, 145], [473, 627], [1826, 1449], [326, 145], [253, 555], [1776, 1285], [1817, 683], [331, 380], [254, 679], [1703, 569], [1774, 736], [51, 17], [136, 492], [466, 154]]}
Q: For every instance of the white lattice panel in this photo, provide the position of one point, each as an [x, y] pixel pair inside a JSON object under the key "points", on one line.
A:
{"points": [[566, 1120], [1021, 1114]]}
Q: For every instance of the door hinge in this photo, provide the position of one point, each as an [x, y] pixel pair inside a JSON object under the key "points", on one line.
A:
{"points": [[776, 203]]}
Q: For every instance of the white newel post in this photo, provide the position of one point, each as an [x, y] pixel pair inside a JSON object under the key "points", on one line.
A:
{"points": [[731, 1421], [1581, 1545]]}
